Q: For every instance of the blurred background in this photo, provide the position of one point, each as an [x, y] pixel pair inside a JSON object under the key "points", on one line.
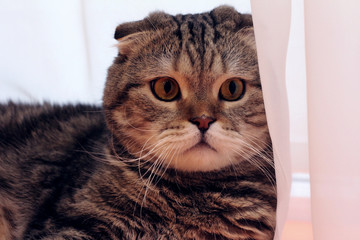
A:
{"points": [[59, 51]]}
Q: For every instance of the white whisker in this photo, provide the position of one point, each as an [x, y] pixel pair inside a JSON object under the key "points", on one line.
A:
{"points": [[251, 158]]}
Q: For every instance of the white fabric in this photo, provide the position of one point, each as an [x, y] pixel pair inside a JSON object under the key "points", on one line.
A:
{"points": [[272, 26], [332, 30]]}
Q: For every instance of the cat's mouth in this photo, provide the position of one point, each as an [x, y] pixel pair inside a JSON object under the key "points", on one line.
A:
{"points": [[202, 144]]}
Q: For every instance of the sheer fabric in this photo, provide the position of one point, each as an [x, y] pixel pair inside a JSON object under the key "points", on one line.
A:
{"points": [[272, 24], [332, 62], [332, 59]]}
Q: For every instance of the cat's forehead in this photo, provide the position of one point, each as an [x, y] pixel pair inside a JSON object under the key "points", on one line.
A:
{"points": [[199, 47], [201, 31]]}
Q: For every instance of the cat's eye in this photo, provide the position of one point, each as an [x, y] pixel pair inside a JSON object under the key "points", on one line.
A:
{"points": [[165, 88], [232, 89]]}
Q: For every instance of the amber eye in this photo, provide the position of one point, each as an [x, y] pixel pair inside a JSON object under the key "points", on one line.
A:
{"points": [[165, 89], [232, 89]]}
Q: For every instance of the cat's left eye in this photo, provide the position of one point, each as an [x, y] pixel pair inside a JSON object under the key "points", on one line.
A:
{"points": [[232, 89], [165, 88]]}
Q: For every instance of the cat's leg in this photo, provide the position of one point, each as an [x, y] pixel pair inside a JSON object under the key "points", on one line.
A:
{"points": [[4, 229], [5, 225]]}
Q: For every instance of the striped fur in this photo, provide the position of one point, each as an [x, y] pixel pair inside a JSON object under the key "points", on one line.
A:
{"points": [[134, 169]]}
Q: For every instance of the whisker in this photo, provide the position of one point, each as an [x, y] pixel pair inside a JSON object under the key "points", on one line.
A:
{"points": [[155, 169], [267, 144], [169, 162], [256, 162], [274, 154]]}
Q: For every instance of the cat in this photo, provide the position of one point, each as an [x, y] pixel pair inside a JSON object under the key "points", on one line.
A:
{"points": [[180, 148]]}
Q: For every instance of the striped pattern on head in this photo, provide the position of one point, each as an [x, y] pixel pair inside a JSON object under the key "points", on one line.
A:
{"points": [[216, 117]]}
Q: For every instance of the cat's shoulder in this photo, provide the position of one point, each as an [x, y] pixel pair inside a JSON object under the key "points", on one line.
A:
{"points": [[25, 115], [46, 126], [17, 112]]}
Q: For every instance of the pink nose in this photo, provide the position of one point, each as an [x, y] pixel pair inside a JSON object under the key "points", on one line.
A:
{"points": [[203, 122]]}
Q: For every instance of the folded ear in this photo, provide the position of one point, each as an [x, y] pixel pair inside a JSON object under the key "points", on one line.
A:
{"points": [[225, 14], [131, 35], [155, 21], [129, 28], [132, 41]]}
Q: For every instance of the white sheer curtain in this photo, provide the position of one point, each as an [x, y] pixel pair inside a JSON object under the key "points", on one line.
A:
{"points": [[272, 26], [332, 60], [332, 30]]}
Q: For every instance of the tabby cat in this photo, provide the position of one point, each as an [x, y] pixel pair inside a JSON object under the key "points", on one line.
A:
{"points": [[179, 150]]}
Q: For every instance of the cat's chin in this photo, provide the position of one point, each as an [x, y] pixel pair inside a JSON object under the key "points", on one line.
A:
{"points": [[200, 158]]}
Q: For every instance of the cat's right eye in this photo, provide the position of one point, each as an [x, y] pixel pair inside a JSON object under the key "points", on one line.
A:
{"points": [[165, 88], [232, 89]]}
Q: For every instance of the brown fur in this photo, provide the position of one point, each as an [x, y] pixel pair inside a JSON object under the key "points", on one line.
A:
{"points": [[4, 227], [141, 167]]}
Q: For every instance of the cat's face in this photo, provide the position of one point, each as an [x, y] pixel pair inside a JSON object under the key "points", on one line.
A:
{"points": [[185, 92]]}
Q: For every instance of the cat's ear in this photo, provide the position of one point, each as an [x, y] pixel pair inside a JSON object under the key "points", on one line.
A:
{"points": [[133, 34], [130, 43], [155, 21], [130, 36], [225, 14], [130, 28]]}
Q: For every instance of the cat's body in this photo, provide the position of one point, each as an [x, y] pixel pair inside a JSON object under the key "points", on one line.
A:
{"points": [[169, 157]]}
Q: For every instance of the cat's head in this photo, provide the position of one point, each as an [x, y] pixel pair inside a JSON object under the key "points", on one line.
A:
{"points": [[184, 91]]}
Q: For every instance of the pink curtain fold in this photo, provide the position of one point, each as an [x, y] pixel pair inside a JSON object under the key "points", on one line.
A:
{"points": [[272, 25], [332, 46], [332, 38]]}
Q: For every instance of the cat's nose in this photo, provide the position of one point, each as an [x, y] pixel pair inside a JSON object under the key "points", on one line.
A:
{"points": [[203, 122]]}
